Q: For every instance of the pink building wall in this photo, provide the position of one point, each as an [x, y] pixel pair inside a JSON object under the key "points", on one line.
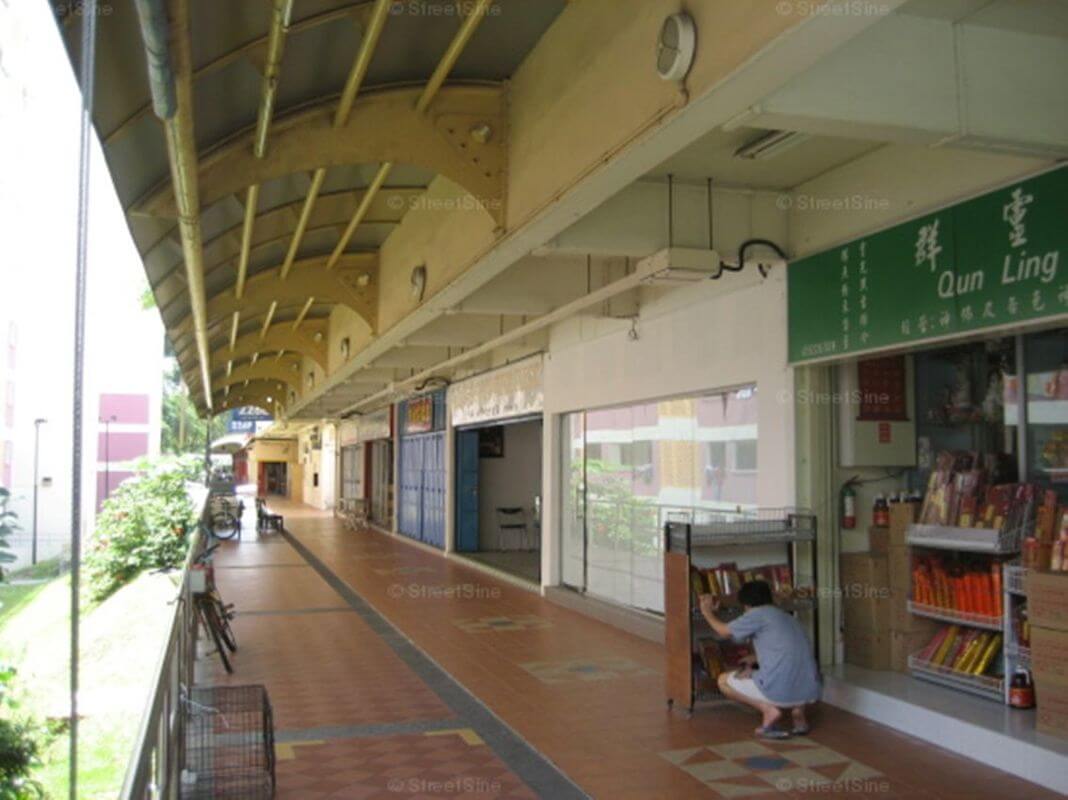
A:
{"points": [[117, 446]]}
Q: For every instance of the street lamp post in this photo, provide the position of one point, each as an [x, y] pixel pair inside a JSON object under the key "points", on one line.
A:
{"points": [[107, 455], [37, 423]]}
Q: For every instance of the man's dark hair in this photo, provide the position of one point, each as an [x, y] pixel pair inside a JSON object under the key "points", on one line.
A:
{"points": [[755, 593]]}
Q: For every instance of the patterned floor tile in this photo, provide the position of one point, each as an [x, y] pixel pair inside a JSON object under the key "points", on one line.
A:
{"points": [[586, 669], [746, 768], [498, 624], [397, 767]]}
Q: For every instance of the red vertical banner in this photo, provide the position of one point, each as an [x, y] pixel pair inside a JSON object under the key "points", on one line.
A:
{"points": [[882, 389]]}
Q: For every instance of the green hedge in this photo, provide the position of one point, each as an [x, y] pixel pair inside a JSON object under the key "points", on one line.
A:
{"points": [[145, 524]]}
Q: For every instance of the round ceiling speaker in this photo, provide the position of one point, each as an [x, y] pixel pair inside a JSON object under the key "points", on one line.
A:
{"points": [[676, 47]]}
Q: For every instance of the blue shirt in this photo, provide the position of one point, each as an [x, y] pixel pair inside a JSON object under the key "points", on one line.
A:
{"points": [[787, 674]]}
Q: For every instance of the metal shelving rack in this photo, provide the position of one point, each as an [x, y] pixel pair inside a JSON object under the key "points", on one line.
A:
{"points": [[971, 540], [689, 543], [1016, 655]]}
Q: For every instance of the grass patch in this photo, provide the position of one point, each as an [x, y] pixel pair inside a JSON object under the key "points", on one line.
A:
{"points": [[13, 598], [41, 570], [121, 640]]}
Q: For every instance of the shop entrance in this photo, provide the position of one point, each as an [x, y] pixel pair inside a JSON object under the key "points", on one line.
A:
{"points": [[379, 469], [272, 478], [957, 457], [498, 496]]}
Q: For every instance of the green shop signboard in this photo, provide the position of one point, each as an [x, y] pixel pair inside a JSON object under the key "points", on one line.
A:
{"points": [[991, 261]]}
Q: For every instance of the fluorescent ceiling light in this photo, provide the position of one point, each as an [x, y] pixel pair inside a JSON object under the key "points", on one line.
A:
{"points": [[770, 144]]}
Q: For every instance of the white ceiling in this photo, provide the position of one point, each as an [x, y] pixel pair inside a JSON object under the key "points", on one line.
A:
{"points": [[1041, 17], [712, 156]]}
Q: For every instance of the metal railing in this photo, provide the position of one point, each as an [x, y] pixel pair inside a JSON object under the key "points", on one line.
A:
{"points": [[155, 766]]}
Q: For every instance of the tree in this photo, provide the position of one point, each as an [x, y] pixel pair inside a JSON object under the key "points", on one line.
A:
{"points": [[183, 429], [8, 526]]}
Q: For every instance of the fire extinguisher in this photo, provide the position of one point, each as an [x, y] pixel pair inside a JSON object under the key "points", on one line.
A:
{"points": [[849, 506]]}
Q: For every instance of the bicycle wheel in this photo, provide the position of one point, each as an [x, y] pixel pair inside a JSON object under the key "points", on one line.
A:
{"points": [[223, 615], [208, 619], [224, 525]]}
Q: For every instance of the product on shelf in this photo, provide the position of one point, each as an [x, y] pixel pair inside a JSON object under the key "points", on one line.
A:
{"points": [[1021, 625], [952, 584], [724, 580], [938, 501], [1022, 689], [880, 512], [1046, 517], [963, 650], [960, 493], [1048, 548], [1054, 453]]}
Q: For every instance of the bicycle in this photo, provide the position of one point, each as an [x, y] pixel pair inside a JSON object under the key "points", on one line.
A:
{"points": [[213, 613], [225, 519]]}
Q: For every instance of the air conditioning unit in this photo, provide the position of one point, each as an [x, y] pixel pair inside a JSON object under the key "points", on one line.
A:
{"points": [[675, 265]]}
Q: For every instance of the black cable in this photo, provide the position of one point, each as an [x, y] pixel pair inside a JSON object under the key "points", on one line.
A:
{"points": [[748, 243]]}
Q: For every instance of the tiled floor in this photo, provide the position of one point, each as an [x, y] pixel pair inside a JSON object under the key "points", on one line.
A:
{"points": [[382, 659]]}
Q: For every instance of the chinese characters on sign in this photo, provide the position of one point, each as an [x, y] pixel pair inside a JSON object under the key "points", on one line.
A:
{"points": [[990, 261]]}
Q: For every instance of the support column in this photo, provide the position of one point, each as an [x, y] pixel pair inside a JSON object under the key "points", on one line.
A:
{"points": [[550, 512], [815, 457], [450, 484], [394, 525]]}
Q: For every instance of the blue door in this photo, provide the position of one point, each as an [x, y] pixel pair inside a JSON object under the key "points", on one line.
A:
{"points": [[467, 491], [422, 497], [433, 532], [410, 511]]}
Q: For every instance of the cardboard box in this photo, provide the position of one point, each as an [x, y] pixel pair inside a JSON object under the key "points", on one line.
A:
{"points": [[901, 619], [1049, 655], [905, 643], [901, 516], [899, 565], [878, 539], [869, 613], [1051, 714], [1047, 599], [862, 574], [867, 649]]}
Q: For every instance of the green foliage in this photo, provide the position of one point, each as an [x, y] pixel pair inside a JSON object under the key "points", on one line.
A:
{"points": [[616, 516], [8, 526], [21, 743], [145, 524], [183, 430]]}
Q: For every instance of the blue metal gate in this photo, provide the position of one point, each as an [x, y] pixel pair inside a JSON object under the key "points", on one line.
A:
{"points": [[421, 504]]}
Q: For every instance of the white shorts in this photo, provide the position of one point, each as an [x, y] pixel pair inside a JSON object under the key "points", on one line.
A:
{"points": [[746, 687]]}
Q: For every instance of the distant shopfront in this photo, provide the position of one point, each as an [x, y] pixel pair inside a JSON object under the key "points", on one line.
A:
{"points": [[367, 463], [497, 417], [422, 469]]}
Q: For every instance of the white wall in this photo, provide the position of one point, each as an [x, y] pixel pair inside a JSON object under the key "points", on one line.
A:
{"points": [[508, 482], [691, 341], [329, 468], [895, 183]]}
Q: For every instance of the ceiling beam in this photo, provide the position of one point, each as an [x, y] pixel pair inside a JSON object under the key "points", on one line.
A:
{"points": [[383, 126], [341, 286], [185, 191], [266, 370], [252, 50], [280, 336]]}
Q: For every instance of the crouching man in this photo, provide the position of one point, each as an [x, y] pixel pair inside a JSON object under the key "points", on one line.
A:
{"points": [[783, 675]]}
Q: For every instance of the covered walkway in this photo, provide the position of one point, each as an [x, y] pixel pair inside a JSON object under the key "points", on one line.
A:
{"points": [[395, 672]]}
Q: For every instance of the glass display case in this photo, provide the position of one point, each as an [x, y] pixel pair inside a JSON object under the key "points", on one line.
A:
{"points": [[1046, 359]]}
